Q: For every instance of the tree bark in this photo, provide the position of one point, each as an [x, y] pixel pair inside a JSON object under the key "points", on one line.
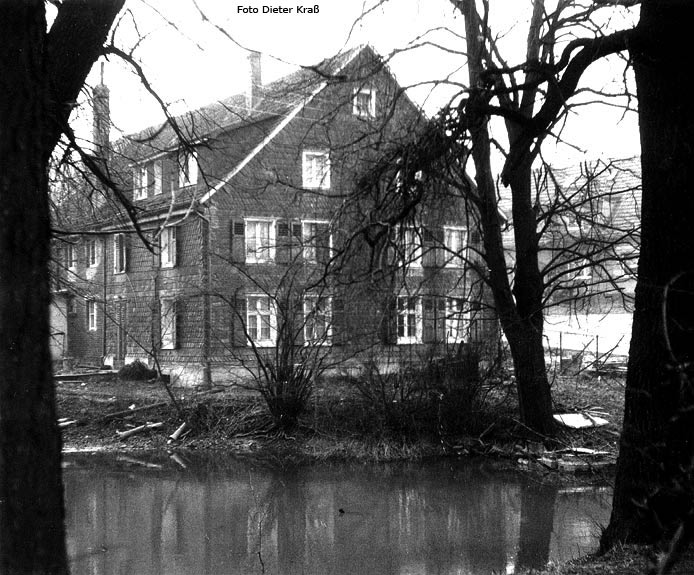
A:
{"points": [[38, 83], [657, 441], [519, 309], [31, 520]]}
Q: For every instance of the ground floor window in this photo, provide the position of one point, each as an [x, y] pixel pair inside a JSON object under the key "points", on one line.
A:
{"points": [[409, 319], [317, 320], [91, 315], [261, 321], [456, 321]]}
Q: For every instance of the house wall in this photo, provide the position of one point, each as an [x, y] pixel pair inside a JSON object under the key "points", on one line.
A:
{"points": [[210, 280], [59, 327]]}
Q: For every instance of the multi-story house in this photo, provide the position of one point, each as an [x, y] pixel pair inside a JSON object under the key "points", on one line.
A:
{"points": [[255, 231]]}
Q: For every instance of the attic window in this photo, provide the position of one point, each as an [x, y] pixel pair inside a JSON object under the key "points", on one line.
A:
{"points": [[316, 169], [364, 103], [187, 168], [140, 182]]}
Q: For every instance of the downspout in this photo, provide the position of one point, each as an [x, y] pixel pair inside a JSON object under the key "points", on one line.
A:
{"points": [[104, 346], [206, 315]]}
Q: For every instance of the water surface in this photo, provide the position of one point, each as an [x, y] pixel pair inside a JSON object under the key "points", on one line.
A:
{"points": [[211, 516]]}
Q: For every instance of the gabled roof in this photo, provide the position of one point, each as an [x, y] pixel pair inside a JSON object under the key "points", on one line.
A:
{"points": [[277, 99], [250, 130]]}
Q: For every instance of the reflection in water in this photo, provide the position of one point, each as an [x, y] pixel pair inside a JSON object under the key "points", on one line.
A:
{"points": [[234, 518]]}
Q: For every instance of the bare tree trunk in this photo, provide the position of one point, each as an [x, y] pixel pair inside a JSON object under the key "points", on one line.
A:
{"points": [[40, 76], [658, 438], [520, 309], [31, 491]]}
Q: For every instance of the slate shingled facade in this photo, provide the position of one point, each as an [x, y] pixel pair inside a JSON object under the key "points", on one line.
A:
{"points": [[251, 228]]}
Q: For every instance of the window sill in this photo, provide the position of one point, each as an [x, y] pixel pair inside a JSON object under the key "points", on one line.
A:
{"points": [[409, 340], [327, 343], [263, 343]]}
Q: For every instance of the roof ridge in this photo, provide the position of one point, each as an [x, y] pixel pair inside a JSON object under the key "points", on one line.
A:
{"points": [[271, 102]]}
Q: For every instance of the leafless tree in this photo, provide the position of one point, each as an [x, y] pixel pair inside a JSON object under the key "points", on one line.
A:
{"points": [[42, 70]]}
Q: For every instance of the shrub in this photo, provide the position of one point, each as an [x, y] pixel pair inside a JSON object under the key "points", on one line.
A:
{"points": [[137, 371], [441, 394]]}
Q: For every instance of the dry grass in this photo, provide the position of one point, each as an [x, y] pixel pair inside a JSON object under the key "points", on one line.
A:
{"points": [[339, 424]]}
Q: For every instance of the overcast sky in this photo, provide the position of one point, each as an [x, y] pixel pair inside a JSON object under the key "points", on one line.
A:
{"points": [[192, 62]]}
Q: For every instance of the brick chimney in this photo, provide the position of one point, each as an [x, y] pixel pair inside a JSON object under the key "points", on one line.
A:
{"points": [[101, 130], [255, 88]]}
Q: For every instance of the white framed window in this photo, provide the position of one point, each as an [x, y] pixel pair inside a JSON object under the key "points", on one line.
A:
{"points": [[411, 247], [364, 102], [410, 324], [261, 321], [93, 253], [167, 323], [317, 320], [71, 257], [316, 169], [140, 182], [315, 237], [457, 321], [187, 168], [91, 315], [119, 254], [455, 243], [158, 175], [167, 247], [260, 240]]}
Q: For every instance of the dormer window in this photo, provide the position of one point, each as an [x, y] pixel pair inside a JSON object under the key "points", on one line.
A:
{"points": [[364, 103], [187, 168], [316, 170], [158, 173], [140, 182]]}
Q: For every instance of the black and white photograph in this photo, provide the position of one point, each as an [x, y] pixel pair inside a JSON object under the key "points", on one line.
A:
{"points": [[346, 287]]}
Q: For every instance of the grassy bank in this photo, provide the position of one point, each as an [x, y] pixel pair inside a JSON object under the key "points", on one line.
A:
{"points": [[340, 422]]}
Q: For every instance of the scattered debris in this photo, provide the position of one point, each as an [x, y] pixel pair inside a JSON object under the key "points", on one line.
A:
{"points": [[139, 429], [580, 420], [582, 451], [130, 411], [176, 435]]}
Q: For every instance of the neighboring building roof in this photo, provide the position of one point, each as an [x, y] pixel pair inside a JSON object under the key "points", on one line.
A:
{"points": [[617, 179]]}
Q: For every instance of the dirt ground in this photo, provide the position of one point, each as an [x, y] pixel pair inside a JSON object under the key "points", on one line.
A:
{"points": [[94, 409]]}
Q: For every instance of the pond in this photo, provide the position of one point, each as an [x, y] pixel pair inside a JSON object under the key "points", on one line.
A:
{"points": [[211, 515]]}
